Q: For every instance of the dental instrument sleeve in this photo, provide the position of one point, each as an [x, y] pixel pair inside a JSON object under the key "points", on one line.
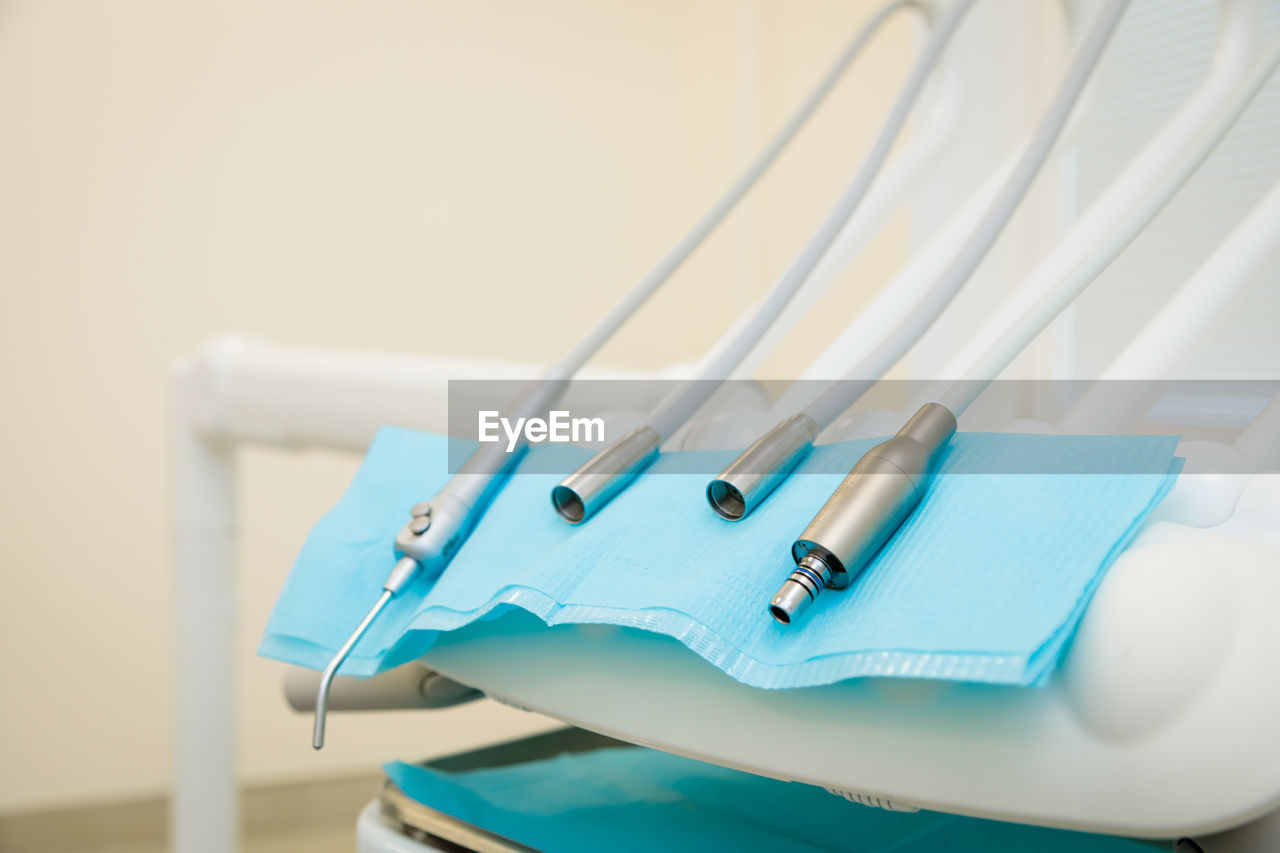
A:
{"points": [[684, 401], [843, 393], [886, 484], [1129, 206], [864, 511]]}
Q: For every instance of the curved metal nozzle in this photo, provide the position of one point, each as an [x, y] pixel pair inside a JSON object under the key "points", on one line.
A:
{"points": [[761, 468], [331, 670], [580, 495]]}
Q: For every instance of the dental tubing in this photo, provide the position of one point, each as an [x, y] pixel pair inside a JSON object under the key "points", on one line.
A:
{"points": [[601, 478], [762, 467], [888, 482], [438, 527]]}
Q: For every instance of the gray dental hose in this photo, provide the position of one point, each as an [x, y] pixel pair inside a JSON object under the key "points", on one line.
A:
{"points": [[611, 470], [749, 480], [438, 527], [888, 482]]}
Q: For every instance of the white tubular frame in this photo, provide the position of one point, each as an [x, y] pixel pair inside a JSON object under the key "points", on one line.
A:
{"points": [[1111, 404], [239, 391]]}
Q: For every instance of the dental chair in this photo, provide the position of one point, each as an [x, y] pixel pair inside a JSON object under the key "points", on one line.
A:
{"points": [[1160, 724], [1163, 722]]}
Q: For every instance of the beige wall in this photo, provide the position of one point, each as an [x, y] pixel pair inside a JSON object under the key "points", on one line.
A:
{"points": [[346, 174]]}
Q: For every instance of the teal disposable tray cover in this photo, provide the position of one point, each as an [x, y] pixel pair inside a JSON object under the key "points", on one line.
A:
{"points": [[985, 582], [624, 799]]}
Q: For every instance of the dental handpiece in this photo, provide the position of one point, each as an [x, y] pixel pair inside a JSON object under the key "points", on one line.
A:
{"points": [[1158, 172], [438, 527], [754, 475], [584, 492], [887, 483], [867, 508]]}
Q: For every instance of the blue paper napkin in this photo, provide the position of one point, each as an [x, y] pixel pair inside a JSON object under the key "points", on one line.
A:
{"points": [[985, 582]]}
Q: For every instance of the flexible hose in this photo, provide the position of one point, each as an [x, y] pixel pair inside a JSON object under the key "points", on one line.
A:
{"points": [[475, 482], [844, 393], [1206, 133], [682, 403], [658, 276]]}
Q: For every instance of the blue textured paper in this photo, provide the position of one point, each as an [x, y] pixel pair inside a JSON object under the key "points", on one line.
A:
{"points": [[985, 582], [621, 799]]}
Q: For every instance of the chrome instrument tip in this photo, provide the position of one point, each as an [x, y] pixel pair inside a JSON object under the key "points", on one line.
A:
{"points": [[806, 583], [331, 669], [598, 480], [761, 468]]}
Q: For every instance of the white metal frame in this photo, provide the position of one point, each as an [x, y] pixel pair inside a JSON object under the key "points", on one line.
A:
{"points": [[235, 392]]}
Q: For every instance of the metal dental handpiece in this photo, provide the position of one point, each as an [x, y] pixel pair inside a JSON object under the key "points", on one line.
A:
{"points": [[611, 470], [762, 467], [885, 486], [867, 508], [438, 527], [1132, 202]]}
